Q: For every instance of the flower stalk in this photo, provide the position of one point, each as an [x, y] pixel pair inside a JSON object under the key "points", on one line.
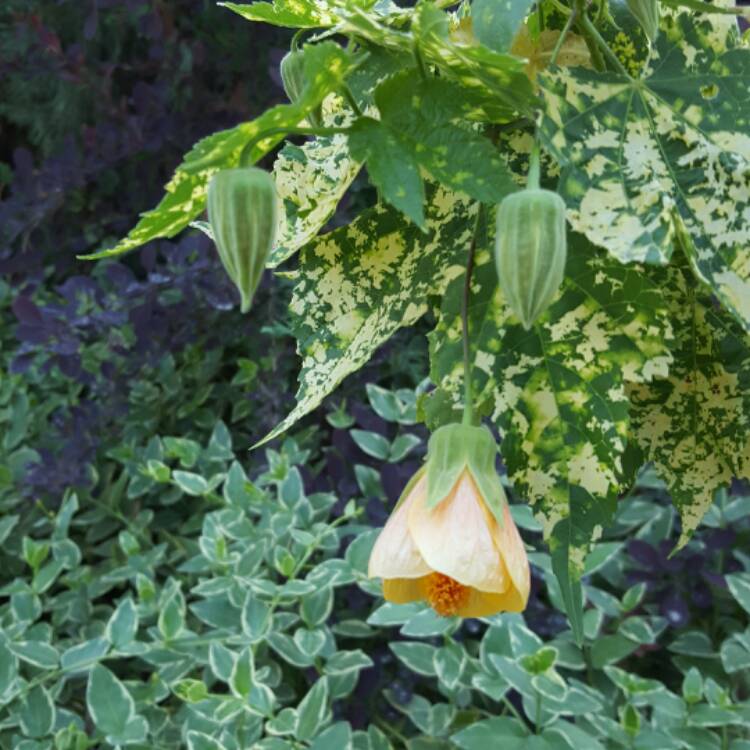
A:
{"points": [[468, 416]]}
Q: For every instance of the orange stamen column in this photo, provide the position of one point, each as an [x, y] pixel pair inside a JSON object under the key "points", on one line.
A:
{"points": [[445, 595]]}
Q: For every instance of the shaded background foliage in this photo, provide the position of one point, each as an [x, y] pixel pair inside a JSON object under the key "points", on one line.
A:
{"points": [[120, 379], [99, 101]]}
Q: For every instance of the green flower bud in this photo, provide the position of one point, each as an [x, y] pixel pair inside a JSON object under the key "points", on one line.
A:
{"points": [[293, 77], [530, 251], [242, 212]]}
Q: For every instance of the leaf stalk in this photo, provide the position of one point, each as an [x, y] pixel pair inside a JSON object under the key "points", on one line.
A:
{"points": [[561, 39], [468, 416], [593, 33]]}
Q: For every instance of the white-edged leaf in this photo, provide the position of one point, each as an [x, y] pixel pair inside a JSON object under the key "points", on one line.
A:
{"points": [[312, 710], [123, 624], [37, 714], [110, 704]]}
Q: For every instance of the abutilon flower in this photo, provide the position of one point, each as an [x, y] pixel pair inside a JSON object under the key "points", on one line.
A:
{"points": [[451, 539]]}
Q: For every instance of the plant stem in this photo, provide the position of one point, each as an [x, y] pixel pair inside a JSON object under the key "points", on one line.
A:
{"points": [[593, 33], [532, 180], [560, 8], [351, 101], [596, 56], [600, 11], [538, 712], [468, 417], [388, 728], [295, 45], [509, 705], [421, 67], [558, 45]]}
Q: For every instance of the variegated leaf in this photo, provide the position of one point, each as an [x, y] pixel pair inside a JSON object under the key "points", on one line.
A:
{"points": [[695, 424], [557, 392], [294, 14], [186, 192], [359, 284], [311, 180], [645, 160]]}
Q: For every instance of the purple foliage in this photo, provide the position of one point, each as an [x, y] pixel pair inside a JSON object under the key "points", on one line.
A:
{"points": [[683, 584], [135, 85], [140, 113], [168, 306]]}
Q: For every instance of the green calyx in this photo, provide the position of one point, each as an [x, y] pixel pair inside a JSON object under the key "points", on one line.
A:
{"points": [[242, 212], [454, 448]]}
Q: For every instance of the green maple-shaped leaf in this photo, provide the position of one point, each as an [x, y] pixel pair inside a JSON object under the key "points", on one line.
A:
{"points": [[557, 392], [310, 181], [186, 192], [359, 284], [422, 125], [668, 155], [694, 424], [493, 82]]}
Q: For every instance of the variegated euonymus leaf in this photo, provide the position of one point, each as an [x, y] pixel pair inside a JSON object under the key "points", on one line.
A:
{"points": [[295, 14], [310, 181], [186, 191], [645, 160], [359, 284], [694, 424], [557, 392]]}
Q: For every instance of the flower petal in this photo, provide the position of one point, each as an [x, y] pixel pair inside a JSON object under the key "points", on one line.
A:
{"points": [[485, 603], [404, 590], [454, 538], [395, 555], [511, 548]]}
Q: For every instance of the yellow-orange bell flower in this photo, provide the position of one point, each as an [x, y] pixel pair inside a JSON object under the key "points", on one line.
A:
{"points": [[455, 552]]}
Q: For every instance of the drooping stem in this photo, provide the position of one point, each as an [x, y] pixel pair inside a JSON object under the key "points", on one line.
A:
{"points": [[532, 181], [591, 32], [296, 39], [351, 101], [596, 56], [566, 29], [468, 417]]}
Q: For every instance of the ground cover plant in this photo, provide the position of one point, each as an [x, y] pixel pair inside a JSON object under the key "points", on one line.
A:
{"points": [[551, 256], [182, 605]]}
